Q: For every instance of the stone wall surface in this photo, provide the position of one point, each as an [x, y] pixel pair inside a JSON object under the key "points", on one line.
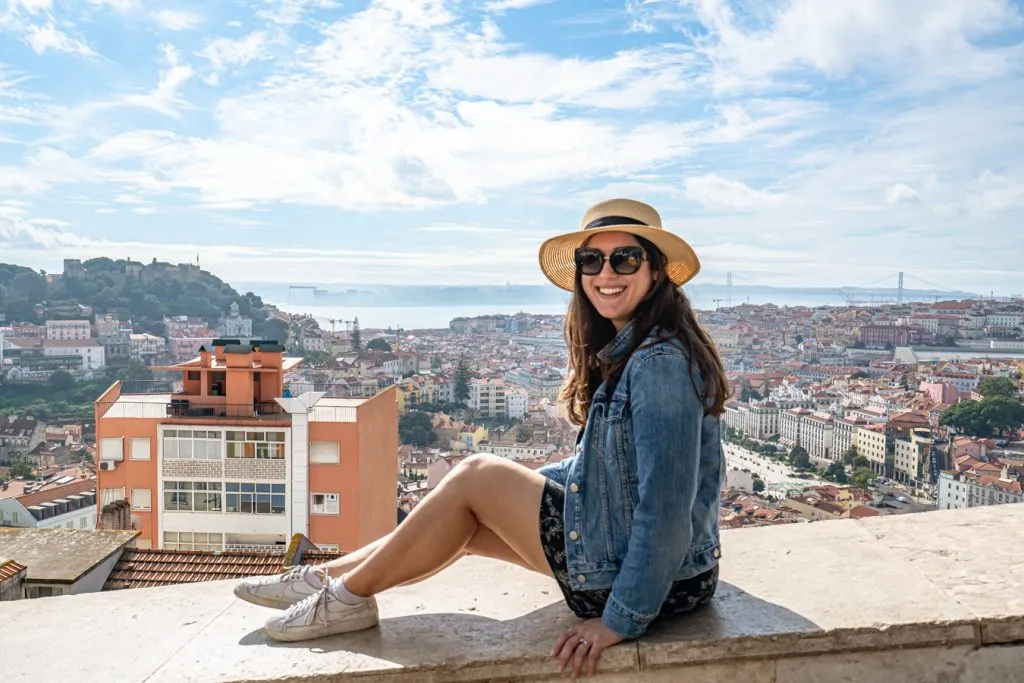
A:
{"points": [[192, 469], [935, 597], [254, 470]]}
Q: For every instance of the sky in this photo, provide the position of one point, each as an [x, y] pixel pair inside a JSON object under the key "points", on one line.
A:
{"points": [[801, 142]]}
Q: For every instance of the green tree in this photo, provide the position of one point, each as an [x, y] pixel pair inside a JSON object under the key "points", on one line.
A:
{"points": [[29, 286], [861, 461], [460, 389], [21, 470], [524, 433], [799, 458], [862, 477], [836, 473], [991, 387], [378, 344], [758, 485], [988, 417], [355, 339], [415, 428], [62, 380], [849, 455]]}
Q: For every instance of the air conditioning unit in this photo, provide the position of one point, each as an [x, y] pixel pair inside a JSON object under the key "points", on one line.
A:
{"points": [[108, 465]]}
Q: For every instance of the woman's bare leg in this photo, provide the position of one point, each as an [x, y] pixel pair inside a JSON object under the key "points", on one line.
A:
{"points": [[484, 543], [483, 491]]}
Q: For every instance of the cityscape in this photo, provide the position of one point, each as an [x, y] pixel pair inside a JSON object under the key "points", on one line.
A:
{"points": [[270, 291], [192, 432]]}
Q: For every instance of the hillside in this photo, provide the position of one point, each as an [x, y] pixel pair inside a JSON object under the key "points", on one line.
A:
{"points": [[141, 293]]}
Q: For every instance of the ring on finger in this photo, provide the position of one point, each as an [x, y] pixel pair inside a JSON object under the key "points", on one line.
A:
{"points": [[583, 641]]}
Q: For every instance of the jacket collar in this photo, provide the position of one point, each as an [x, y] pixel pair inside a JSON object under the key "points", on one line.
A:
{"points": [[618, 346]]}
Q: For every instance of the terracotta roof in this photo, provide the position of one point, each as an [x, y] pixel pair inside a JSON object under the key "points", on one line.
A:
{"points": [[9, 569], [48, 495], [320, 556], [862, 511], [144, 568]]}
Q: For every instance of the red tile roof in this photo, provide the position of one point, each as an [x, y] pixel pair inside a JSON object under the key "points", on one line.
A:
{"points": [[10, 569], [320, 556], [139, 568], [52, 494]]}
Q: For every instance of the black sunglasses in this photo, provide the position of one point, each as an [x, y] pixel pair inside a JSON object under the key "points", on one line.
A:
{"points": [[624, 260]]}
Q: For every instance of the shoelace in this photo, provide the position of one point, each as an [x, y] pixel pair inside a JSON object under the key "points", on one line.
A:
{"points": [[296, 574], [317, 602]]}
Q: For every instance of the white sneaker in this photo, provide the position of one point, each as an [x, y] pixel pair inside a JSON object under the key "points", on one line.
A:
{"points": [[281, 591], [322, 614]]}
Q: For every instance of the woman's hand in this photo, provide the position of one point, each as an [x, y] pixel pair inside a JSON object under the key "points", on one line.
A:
{"points": [[584, 644]]}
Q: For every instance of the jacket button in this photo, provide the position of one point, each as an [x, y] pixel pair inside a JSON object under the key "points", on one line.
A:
{"points": [[716, 553], [574, 487], [581, 578], [573, 535]]}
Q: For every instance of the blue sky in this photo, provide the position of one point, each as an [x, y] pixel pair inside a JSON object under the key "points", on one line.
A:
{"points": [[801, 142]]}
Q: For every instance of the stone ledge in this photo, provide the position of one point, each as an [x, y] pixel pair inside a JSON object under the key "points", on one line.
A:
{"points": [[935, 596]]}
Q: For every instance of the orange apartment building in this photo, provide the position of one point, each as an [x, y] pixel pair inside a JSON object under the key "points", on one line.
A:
{"points": [[233, 462]]}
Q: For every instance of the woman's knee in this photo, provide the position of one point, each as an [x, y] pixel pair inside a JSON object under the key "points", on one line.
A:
{"points": [[475, 470]]}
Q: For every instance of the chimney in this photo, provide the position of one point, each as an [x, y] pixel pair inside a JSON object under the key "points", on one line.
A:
{"points": [[116, 515], [204, 357]]}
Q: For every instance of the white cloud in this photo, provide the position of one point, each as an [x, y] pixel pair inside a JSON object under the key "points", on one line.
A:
{"points": [[899, 193], [502, 5], [628, 80], [144, 210], [718, 193], [994, 193], [177, 20], [225, 52], [474, 229], [928, 39], [30, 6], [48, 37], [116, 5]]}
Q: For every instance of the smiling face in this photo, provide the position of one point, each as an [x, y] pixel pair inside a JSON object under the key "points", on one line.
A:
{"points": [[616, 296]]}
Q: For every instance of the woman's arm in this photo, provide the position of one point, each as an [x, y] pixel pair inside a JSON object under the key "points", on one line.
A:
{"points": [[666, 421]]}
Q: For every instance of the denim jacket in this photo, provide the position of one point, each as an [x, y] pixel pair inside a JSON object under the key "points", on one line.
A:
{"points": [[643, 488]]}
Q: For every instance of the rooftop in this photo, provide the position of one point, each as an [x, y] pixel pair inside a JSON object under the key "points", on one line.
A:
{"points": [[140, 568], [60, 555], [57, 492], [916, 598]]}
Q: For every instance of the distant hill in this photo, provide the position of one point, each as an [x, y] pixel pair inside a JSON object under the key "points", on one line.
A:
{"points": [[142, 293]]}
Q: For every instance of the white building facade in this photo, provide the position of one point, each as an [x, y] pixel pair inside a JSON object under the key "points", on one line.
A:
{"points": [[57, 330]]}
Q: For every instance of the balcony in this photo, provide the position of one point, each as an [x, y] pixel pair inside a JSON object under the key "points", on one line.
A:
{"points": [[928, 597], [185, 408]]}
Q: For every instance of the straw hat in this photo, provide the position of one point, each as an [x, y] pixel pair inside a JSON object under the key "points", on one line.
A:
{"points": [[557, 255]]}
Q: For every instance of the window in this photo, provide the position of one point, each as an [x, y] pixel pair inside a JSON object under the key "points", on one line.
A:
{"points": [[142, 499], [83, 523], [255, 499], [193, 375], [108, 496], [193, 444], [193, 540], [256, 445], [112, 449], [140, 449], [323, 503], [324, 452], [193, 496]]}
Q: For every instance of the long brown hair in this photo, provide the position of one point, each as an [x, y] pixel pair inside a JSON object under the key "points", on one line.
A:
{"points": [[664, 306]]}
